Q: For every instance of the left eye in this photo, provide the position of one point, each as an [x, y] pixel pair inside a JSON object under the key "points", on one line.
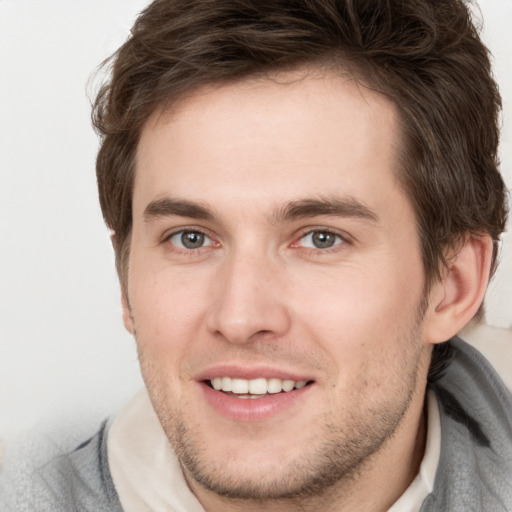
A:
{"points": [[190, 240], [320, 240]]}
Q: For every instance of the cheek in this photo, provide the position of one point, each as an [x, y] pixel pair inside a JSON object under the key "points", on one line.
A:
{"points": [[360, 314], [168, 309], [374, 297]]}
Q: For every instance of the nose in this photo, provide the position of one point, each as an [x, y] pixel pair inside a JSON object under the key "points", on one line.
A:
{"points": [[248, 300]]}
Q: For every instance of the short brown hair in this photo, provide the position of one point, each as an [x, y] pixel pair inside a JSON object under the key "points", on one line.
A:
{"points": [[425, 55]]}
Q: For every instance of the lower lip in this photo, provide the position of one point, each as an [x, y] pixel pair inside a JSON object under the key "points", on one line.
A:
{"points": [[252, 409]]}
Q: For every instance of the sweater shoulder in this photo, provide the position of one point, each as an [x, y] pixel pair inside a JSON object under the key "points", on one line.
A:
{"points": [[475, 466], [78, 480]]}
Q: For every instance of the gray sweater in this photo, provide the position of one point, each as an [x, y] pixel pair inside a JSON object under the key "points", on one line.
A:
{"points": [[475, 466], [474, 473]]}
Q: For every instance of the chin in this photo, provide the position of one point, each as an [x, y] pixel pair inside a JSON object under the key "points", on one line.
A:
{"points": [[260, 468]]}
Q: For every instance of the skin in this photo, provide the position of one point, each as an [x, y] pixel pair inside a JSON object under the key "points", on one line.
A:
{"points": [[258, 293]]}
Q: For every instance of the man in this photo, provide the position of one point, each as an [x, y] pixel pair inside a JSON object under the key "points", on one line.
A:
{"points": [[305, 206]]}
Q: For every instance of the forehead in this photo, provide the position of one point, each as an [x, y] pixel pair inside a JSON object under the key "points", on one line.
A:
{"points": [[288, 134]]}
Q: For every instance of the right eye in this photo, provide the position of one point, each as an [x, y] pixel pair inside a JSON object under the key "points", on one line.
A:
{"points": [[320, 239], [190, 239]]}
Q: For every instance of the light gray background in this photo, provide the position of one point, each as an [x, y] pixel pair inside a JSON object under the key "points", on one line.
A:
{"points": [[64, 355]]}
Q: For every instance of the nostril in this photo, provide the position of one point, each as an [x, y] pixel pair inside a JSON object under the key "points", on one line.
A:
{"points": [[260, 334]]}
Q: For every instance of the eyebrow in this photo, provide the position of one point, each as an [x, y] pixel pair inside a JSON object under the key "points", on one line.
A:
{"points": [[303, 208], [167, 207], [331, 206]]}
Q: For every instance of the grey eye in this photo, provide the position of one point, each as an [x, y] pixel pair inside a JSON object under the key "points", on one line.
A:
{"points": [[190, 240], [320, 240]]}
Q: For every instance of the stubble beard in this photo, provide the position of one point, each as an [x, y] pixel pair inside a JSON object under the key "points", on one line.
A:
{"points": [[343, 453], [335, 462]]}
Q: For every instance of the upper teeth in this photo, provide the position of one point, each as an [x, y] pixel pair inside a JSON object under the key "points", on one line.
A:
{"points": [[255, 386]]}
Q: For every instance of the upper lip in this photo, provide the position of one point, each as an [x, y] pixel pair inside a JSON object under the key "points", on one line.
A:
{"points": [[240, 371]]}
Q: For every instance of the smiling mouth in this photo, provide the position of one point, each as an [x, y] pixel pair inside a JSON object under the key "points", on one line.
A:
{"points": [[255, 388]]}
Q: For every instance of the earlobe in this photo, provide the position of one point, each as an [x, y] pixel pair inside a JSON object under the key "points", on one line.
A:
{"points": [[128, 321], [455, 299]]}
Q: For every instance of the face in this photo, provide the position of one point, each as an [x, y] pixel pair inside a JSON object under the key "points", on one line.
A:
{"points": [[275, 283]]}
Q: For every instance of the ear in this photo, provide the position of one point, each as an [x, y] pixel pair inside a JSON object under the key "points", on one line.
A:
{"points": [[128, 321], [455, 299]]}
